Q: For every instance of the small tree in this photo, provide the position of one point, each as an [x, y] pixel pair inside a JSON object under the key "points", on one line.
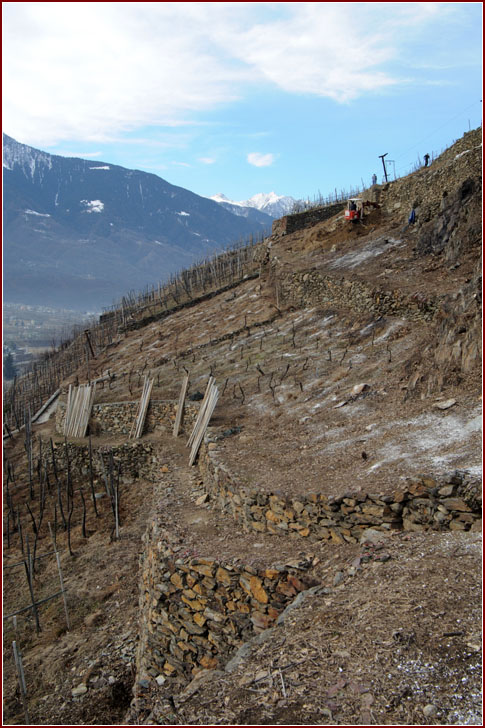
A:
{"points": [[9, 370]]}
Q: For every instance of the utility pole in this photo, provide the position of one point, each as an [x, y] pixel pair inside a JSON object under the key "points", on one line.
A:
{"points": [[381, 156], [86, 333]]}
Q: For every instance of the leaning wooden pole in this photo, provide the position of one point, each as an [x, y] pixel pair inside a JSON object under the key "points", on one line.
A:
{"points": [[202, 426], [137, 427], [203, 407], [181, 405]]}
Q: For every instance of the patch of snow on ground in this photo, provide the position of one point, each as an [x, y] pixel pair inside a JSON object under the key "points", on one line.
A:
{"points": [[45, 415], [427, 435], [372, 250], [421, 675], [93, 205], [392, 328], [39, 214]]}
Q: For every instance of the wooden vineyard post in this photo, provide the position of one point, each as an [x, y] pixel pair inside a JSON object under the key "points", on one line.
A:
{"points": [[68, 409], [29, 573], [137, 428], [208, 406], [79, 404], [60, 577], [91, 481], [20, 672], [117, 523], [201, 411], [181, 404]]}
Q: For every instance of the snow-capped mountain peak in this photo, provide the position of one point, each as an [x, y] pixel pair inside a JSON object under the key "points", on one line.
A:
{"points": [[28, 158], [221, 197], [267, 202]]}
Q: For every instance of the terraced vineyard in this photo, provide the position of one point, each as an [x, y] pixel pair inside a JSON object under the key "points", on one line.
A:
{"points": [[320, 562]]}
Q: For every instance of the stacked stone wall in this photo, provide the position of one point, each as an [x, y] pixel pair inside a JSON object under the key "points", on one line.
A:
{"points": [[300, 220], [117, 418], [136, 459], [424, 503], [195, 612], [310, 288]]}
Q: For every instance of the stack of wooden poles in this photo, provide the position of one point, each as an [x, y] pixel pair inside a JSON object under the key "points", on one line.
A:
{"points": [[78, 411], [137, 428], [205, 413]]}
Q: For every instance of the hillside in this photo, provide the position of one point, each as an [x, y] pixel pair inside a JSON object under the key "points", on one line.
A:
{"points": [[78, 233], [321, 562]]}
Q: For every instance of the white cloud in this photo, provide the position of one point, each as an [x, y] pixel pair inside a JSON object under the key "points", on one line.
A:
{"points": [[93, 71], [260, 160], [207, 160]]}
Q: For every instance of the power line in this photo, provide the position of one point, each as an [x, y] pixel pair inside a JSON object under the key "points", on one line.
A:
{"points": [[437, 129]]}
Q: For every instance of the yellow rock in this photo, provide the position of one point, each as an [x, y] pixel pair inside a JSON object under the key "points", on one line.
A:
{"points": [[176, 580], [257, 590], [199, 619], [336, 537], [271, 573], [209, 662], [194, 604], [223, 576], [204, 569]]}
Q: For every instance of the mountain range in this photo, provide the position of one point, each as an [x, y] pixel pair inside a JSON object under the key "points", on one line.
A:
{"points": [[268, 203], [80, 234]]}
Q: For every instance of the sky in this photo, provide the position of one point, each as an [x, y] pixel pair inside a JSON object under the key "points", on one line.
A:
{"points": [[241, 98]]}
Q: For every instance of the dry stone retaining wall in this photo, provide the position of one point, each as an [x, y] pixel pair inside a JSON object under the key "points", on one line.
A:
{"points": [[195, 612], [424, 503], [117, 418], [137, 459], [307, 288], [300, 220]]}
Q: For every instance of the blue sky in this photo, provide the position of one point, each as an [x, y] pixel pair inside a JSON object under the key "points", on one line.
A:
{"points": [[241, 98]]}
